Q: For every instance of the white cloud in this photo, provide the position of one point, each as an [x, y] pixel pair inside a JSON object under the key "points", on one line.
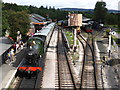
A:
{"points": [[119, 5], [111, 4]]}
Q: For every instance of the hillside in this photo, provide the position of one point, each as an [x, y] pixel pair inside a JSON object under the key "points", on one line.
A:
{"points": [[85, 10]]}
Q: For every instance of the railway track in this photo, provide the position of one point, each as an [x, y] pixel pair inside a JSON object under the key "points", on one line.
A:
{"points": [[65, 78], [88, 76], [21, 83]]}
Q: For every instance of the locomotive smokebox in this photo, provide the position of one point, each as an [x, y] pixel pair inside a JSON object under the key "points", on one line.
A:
{"points": [[32, 56]]}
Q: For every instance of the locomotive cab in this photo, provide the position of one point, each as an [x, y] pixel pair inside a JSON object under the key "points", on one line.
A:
{"points": [[89, 28]]}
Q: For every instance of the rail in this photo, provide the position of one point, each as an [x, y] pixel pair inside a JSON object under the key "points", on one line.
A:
{"points": [[88, 63], [65, 77]]}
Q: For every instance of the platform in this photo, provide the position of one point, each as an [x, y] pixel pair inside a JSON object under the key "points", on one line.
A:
{"points": [[8, 70], [50, 62]]}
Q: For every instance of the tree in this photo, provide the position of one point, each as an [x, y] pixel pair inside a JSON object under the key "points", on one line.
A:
{"points": [[5, 23], [119, 21], [14, 7], [100, 11], [111, 19], [15, 17], [18, 21]]}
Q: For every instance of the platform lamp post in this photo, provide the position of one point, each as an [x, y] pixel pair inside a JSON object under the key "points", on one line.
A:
{"points": [[75, 21]]}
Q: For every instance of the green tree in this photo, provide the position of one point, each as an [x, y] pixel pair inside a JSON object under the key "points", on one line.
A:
{"points": [[43, 11], [5, 16], [15, 17], [5, 23], [119, 21], [100, 11], [14, 7], [111, 19], [19, 21]]}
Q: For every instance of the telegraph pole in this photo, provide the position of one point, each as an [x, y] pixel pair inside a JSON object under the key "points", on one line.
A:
{"points": [[75, 44], [109, 46], [109, 41]]}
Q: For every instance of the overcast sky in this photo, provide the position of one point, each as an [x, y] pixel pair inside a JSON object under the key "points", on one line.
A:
{"points": [[88, 4]]}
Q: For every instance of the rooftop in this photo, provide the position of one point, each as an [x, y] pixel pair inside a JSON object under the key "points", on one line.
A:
{"points": [[5, 44]]}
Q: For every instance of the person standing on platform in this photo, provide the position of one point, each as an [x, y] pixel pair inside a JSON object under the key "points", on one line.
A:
{"points": [[14, 46], [19, 36], [21, 46], [9, 55], [12, 54], [17, 46]]}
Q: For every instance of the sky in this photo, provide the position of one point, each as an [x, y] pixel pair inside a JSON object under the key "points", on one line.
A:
{"points": [[87, 4]]}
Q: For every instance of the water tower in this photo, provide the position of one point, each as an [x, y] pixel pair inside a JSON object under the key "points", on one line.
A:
{"points": [[75, 21]]}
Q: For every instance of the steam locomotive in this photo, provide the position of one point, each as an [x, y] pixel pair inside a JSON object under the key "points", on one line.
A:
{"points": [[36, 47]]}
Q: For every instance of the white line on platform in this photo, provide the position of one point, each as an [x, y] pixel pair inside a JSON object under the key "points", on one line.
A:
{"points": [[8, 82], [97, 51]]}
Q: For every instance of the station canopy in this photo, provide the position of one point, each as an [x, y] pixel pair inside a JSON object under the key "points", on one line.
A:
{"points": [[37, 19]]}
